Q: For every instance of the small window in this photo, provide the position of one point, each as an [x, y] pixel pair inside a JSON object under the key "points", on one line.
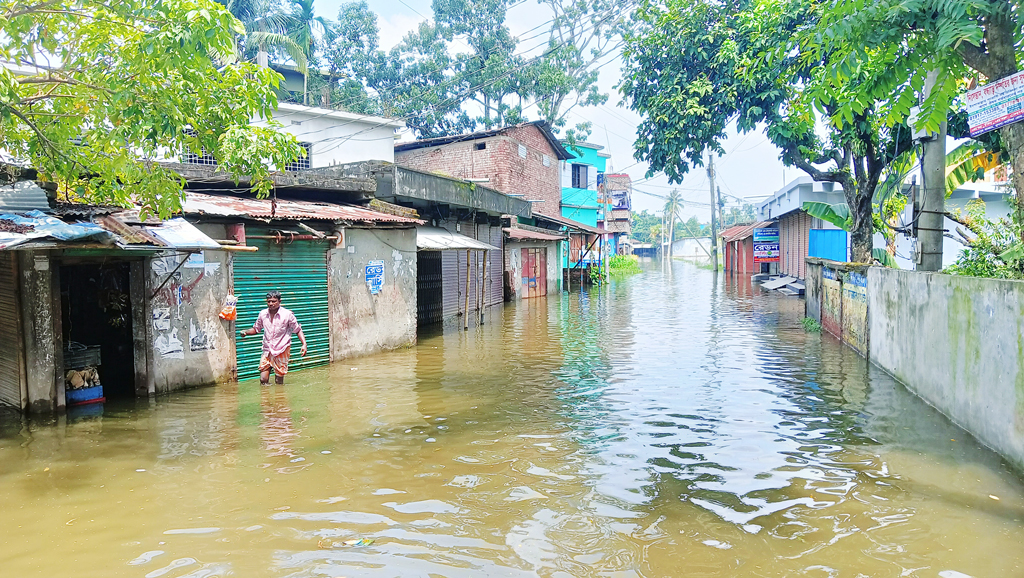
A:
{"points": [[202, 158], [522, 151], [579, 176], [302, 163], [547, 161], [480, 146]]}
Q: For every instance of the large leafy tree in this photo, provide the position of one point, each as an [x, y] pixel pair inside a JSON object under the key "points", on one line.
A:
{"points": [[101, 91], [465, 69], [583, 35], [693, 67], [975, 41]]}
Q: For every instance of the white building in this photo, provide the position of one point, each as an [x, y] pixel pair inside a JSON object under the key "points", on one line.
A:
{"points": [[335, 137]]}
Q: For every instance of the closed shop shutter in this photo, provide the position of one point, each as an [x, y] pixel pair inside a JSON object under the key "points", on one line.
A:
{"points": [[299, 271], [494, 268], [429, 296], [10, 333]]}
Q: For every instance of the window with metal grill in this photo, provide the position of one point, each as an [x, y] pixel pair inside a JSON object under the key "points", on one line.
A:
{"points": [[579, 176], [202, 158], [304, 162]]}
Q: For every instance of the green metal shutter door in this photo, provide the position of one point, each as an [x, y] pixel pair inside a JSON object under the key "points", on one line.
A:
{"points": [[10, 333], [299, 271]]}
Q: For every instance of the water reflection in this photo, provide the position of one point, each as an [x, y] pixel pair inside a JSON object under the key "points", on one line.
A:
{"points": [[669, 424]]}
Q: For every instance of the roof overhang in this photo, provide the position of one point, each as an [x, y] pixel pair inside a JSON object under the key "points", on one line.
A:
{"points": [[569, 224], [528, 235], [106, 232], [438, 239]]}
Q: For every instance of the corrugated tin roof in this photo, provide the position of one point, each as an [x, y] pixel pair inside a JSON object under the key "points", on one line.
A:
{"points": [[570, 223], [438, 239], [23, 196], [516, 233], [232, 206], [739, 232], [108, 231]]}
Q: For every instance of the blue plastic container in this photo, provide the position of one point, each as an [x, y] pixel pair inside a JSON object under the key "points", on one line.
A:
{"points": [[85, 395]]}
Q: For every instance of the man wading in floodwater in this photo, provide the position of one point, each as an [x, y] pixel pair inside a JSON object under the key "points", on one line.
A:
{"points": [[277, 325]]}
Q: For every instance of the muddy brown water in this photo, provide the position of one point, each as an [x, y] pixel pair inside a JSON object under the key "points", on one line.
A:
{"points": [[666, 425]]}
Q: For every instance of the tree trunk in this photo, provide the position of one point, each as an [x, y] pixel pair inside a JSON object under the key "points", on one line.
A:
{"points": [[671, 232], [861, 242], [1013, 140]]}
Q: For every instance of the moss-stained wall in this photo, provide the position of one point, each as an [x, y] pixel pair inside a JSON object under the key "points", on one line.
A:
{"points": [[957, 342]]}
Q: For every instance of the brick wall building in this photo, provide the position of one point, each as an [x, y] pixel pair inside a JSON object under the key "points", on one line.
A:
{"points": [[520, 160]]}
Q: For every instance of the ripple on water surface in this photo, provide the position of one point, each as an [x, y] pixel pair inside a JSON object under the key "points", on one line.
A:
{"points": [[669, 424]]}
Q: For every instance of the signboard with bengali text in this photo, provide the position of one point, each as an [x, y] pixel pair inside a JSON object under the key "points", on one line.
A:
{"points": [[766, 245], [996, 104], [375, 276]]}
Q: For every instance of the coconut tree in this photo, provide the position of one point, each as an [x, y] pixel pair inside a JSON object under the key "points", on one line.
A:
{"points": [[303, 28], [266, 29], [673, 203]]}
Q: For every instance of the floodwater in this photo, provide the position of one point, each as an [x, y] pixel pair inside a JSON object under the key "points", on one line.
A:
{"points": [[665, 425]]}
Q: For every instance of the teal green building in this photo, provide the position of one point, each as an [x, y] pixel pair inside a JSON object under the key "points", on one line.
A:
{"points": [[580, 178]]}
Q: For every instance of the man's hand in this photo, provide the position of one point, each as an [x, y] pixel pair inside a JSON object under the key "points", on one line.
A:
{"points": [[302, 352]]}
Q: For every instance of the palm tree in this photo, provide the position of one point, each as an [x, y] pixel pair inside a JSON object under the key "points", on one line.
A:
{"points": [[303, 25], [266, 28], [673, 203]]}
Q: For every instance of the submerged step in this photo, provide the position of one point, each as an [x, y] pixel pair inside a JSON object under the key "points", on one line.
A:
{"points": [[777, 283]]}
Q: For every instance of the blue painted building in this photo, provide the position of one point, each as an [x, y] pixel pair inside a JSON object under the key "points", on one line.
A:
{"points": [[580, 177]]}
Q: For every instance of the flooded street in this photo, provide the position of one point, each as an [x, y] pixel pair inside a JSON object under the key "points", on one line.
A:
{"points": [[664, 425]]}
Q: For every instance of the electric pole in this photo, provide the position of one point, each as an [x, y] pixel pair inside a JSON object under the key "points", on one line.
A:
{"points": [[714, 208], [721, 223], [931, 217]]}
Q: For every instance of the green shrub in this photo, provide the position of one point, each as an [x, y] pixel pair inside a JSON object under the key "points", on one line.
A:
{"points": [[810, 325], [624, 264]]}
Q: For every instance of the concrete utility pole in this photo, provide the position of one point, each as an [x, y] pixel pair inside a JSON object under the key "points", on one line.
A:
{"points": [[933, 199], [721, 222], [714, 208]]}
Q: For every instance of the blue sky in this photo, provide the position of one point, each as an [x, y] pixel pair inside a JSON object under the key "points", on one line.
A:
{"points": [[749, 169]]}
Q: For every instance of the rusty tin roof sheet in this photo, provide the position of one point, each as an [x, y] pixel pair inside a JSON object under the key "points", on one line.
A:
{"points": [[231, 206]]}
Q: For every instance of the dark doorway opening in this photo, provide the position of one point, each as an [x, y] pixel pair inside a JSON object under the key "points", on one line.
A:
{"points": [[96, 310], [429, 288]]}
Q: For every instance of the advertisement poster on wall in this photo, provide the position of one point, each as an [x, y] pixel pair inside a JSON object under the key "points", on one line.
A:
{"points": [[766, 245]]}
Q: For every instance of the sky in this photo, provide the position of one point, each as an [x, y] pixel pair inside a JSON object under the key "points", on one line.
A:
{"points": [[750, 168]]}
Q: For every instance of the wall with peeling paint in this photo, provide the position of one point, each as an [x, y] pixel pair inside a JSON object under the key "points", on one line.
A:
{"points": [[363, 322], [190, 344]]}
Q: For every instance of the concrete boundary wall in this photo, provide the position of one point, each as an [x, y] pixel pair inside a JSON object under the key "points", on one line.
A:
{"points": [[836, 296], [957, 343]]}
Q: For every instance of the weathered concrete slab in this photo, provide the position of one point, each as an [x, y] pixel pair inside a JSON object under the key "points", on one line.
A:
{"points": [[778, 283], [958, 343]]}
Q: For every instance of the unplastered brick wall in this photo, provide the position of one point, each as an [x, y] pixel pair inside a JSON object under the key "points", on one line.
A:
{"points": [[500, 162]]}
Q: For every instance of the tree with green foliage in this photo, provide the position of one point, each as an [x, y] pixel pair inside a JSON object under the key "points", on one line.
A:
{"points": [[265, 30], [467, 60], [691, 68], [643, 224], [102, 92], [583, 33], [900, 42], [673, 204]]}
